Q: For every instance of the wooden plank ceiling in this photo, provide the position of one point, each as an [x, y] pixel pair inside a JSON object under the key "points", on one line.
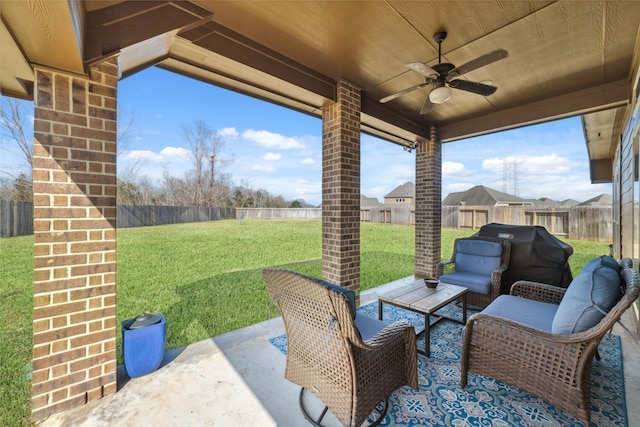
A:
{"points": [[565, 58]]}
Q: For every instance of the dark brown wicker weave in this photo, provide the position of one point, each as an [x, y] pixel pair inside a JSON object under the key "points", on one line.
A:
{"points": [[481, 300], [555, 367], [326, 354]]}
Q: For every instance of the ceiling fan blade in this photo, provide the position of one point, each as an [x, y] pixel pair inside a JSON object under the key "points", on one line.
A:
{"points": [[423, 69], [480, 61], [427, 106], [474, 87], [403, 92]]}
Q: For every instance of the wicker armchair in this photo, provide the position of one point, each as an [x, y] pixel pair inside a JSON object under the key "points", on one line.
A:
{"points": [[555, 367], [470, 271], [327, 354]]}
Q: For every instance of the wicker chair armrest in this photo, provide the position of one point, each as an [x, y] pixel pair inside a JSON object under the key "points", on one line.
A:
{"points": [[390, 332], [538, 291], [554, 354], [441, 265]]}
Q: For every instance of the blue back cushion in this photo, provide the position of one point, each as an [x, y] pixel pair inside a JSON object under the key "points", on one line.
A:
{"points": [[477, 256], [587, 299], [351, 296], [604, 260]]}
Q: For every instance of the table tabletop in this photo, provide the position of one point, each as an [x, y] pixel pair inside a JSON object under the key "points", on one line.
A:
{"points": [[418, 297]]}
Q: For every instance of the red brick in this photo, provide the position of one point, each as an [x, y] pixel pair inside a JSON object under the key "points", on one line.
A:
{"points": [[57, 310], [40, 325], [87, 316], [84, 340], [41, 350], [59, 249], [40, 411], [47, 285], [60, 322], [59, 370], [60, 260], [58, 358], [40, 376], [60, 224], [62, 345], [86, 270], [41, 225], [59, 395], [61, 236]]}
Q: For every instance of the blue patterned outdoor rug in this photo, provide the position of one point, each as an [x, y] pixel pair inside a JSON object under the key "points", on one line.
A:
{"points": [[486, 402]]}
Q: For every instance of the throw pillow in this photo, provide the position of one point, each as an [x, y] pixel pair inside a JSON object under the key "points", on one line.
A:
{"points": [[587, 300], [604, 260]]}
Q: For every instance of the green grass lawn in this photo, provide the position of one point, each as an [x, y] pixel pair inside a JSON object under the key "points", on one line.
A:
{"points": [[205, 278]]}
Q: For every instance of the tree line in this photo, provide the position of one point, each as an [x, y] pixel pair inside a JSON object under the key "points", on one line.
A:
{"points": [[206, 182]]}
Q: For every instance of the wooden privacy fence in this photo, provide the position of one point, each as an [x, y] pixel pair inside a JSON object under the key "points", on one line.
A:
{"points": [[580, 222], [279, 213], [146, 215], [16, 218]]}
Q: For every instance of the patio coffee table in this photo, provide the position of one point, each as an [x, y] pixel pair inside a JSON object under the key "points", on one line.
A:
{"points": [[420, 299]]}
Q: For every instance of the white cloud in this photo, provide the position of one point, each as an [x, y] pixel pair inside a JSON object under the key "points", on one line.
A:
{"points": [[147, 155], [175, 152], [159, 116], [263, 168], [165, 155], [272, 140], [454, 169], [272, 156], [308, 161], [230, 133], [532, 165]]}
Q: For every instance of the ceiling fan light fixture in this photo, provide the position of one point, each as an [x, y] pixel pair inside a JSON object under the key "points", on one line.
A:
{"points": [[440, 95]]}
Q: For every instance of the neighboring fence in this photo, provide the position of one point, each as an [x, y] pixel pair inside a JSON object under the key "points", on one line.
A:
{"points": [[146, 215], [588, 223], [580, 222], [279, 213], [16, 218]]}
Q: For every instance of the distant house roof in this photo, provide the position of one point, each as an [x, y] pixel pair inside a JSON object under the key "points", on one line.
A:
{"points": [[601, 200], [545, 201], [483, 196], [369, 201], [408, 189]]}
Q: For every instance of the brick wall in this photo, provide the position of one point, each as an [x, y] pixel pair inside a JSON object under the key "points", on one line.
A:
{"points": [[341, 188], [74, 185], [428, 205]]}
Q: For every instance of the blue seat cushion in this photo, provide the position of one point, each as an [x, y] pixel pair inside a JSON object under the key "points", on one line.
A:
{"points": [[477, 283], [535, 314], [368, 326], [477, 256], [587, 299]]}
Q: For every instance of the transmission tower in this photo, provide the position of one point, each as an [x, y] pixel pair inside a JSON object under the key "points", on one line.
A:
{"points": [[510, 176]]}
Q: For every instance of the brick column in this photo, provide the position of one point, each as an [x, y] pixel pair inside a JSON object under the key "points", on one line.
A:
{"points": [[428, 205], [74, 194], [341, 188]]}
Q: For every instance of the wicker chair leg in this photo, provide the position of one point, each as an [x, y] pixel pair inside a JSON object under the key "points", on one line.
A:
{"points": [[316, 422]]}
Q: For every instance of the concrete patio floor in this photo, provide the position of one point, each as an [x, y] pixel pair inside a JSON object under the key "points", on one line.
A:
{"points": [[236, 379]]}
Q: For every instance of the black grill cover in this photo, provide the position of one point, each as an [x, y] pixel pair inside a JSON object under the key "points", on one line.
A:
{"points": [[536, 255]]}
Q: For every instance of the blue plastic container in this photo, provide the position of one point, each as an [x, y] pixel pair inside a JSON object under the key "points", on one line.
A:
{"points": [[143, 348]]}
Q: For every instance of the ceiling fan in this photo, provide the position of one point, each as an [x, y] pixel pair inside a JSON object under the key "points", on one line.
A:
{"points": [[443, 76]]}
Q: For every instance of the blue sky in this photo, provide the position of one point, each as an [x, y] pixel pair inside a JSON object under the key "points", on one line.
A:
{"points": [[279, 150]]}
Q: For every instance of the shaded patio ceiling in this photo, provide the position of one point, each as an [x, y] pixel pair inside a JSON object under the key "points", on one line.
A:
{"points": [[565, 58]]}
